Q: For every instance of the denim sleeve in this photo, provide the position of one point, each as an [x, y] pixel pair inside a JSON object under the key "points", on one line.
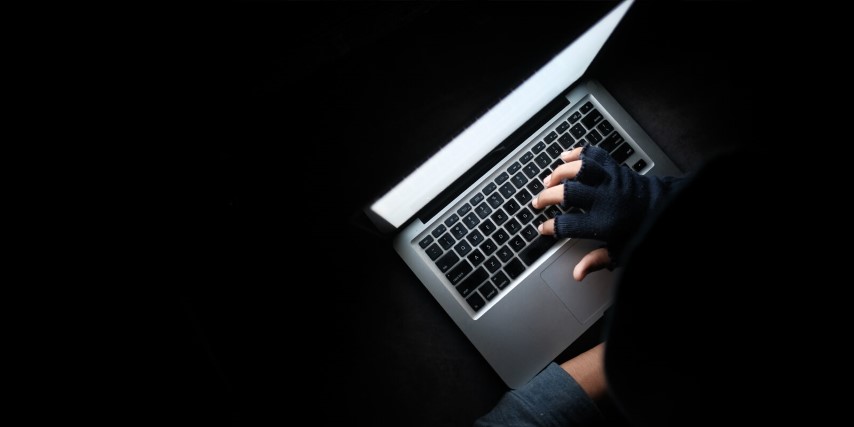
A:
{"points": [[552, 398]]}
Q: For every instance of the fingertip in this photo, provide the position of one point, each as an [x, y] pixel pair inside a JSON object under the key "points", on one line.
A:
{"points": [[540, 228], [547, 179], [578, 273]]}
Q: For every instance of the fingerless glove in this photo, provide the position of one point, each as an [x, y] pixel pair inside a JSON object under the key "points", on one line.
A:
{"points": [[615, 200]]}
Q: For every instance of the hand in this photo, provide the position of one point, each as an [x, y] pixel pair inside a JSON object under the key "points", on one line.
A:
{"points": [[615, 201], [597, 259]]}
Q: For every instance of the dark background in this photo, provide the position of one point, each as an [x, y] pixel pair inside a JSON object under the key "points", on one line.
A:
{"points": [[278, 304]]}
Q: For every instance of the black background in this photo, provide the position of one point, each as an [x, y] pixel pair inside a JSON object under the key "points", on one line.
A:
{"points": [[288, 118]]}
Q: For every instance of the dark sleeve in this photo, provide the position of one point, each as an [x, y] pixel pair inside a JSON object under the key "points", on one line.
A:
{"points": [[694, 305], [552, 398]]}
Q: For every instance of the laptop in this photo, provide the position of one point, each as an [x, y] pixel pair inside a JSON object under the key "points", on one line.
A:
{"points": [[474, 245]]}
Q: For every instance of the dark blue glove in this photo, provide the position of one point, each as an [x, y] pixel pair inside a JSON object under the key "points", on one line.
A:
{"points": [[615, 198]]}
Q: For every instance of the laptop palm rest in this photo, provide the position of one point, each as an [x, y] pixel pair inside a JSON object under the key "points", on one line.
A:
{"points": [[588, 299]]}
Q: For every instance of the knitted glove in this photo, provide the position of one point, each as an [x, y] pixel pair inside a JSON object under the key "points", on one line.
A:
{"points": [[615, 198]]}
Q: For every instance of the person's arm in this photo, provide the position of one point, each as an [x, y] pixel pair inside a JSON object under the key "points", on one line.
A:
{"points": [[560, 395], [588, 370]]}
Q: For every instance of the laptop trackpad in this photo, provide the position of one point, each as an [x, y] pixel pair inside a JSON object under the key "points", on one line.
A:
{"points": [[584, 299]]}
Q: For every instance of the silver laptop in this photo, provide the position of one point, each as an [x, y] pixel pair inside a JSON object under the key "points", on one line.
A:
{"points": [[476, 248]]}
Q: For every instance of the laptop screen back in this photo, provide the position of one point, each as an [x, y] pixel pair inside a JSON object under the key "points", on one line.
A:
{"points": [[406, 198]]}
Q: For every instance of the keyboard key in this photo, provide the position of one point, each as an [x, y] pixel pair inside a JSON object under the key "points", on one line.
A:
{"points": [[464, 209], [542, 161], [592, 119], [554, 150], [605, 127], [566, 141], [458, 231], [577, 131], [531, 169], [594, 137], [536, 249], [475, 258], [499, 217], [639, 165], [501, 178], [489, 188], [463, 248], [475, 238], [439, 230], [623, 152], [525, 216], [540, 146], [552, 211], [466, 287], [529, 233], [517, 243], [519, 180], [475, 302], [482, 210], [505, 254], [457, 273], [552, 166], [551, 137], [580, 143], [488, 291], [434, 252], [487, 227], [561, 128], [446, 262], [451, 220], [586, 107], [488, 247], [611, 142], [500, 280], [525, 158], [535, 186], [494, 200], [510, 207], [500, 236], [576, 116], [476, 199], [426, 241], [507, 190], [514, 268], [492, 264], [523, 196], [446, 241], [512, 226], [513, 168], [471, 220], [539, 220]]}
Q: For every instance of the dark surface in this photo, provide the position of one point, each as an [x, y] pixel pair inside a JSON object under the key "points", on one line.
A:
{"points": [[305, 113]]}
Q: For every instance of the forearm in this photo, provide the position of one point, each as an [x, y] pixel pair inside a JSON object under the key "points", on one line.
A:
{"points": [[588, 371]]}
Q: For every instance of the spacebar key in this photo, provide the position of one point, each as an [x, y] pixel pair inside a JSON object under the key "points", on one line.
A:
{"points": [[536, 249]]}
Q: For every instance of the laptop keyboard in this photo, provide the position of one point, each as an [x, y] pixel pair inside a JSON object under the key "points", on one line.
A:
{"points": [[492, 238]]}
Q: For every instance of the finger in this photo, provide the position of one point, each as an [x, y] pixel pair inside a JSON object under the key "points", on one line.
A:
{"points": [[566, 156], [547, 228], [596, 260], [549, 196], [571, 155], [564, 171]]}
